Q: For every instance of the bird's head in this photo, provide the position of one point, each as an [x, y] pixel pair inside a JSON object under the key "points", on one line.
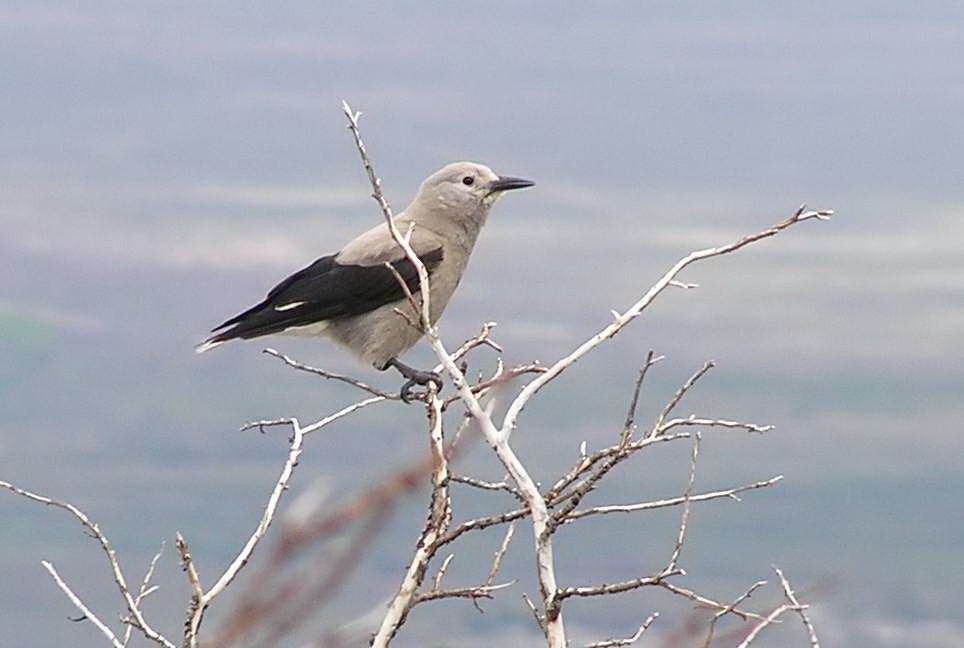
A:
{"points": [[466, 187]]}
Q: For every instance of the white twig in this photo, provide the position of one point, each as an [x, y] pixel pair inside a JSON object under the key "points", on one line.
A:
{"points": [[800, 609], [759, 627], [481, 484], [143, 592], [343, 412], [695, 421], [90, 616], [500, 554], [681, 536], [658, 427], [379, 197], [475, 592], [294, 364], [437, 584], [535, 613], [674, 501], [628, 641], [616, 588], [136, 617], [440, 513], [708, 602], [509, 422], [729, 608], [203, 599]]}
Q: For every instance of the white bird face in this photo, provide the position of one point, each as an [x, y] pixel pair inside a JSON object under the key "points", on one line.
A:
{"points": [[467, 186]]}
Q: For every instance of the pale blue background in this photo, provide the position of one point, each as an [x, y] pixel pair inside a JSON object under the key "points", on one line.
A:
{"points": [[162, 165]]}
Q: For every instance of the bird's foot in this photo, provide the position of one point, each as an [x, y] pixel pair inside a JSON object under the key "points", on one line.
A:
{"points": [[415, 377]]}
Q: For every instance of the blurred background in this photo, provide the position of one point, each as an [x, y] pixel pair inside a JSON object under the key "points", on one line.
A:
{"points": [[164, 164]]}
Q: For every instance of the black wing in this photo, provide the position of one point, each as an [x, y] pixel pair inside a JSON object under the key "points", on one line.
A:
{"points": [[325, 290]]}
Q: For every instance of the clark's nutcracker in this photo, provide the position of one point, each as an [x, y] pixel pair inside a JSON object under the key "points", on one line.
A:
{"points": [[351, 297]]}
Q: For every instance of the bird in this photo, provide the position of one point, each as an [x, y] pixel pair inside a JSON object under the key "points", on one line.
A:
{"points": [[355, 300]]}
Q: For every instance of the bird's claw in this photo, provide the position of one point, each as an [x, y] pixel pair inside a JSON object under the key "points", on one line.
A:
{"points": [[419, 378]]}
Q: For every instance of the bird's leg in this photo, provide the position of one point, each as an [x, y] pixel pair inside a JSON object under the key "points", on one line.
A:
{"points": [[414, 376]]}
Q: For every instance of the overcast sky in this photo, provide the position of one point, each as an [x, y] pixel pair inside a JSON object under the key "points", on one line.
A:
{"points": [[162, 165]]}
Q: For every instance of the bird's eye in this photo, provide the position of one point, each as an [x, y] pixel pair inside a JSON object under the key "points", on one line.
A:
{"points": [[468, 181]]}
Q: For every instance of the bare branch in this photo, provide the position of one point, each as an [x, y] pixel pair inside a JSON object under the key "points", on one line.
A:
{"points": [[405, 289], [628, 641], [477, 524], [195, 612], [477, 592], [437, 584], [439, 517], [500, 554], [800, 609], [615, 588], [759, 627], [136, 617], [681, 536], [200, 600], [487, 485], [630, 424], [677, 397], [84, 610], [343, 412], [329, 375], [402, 242], [707, 602], [509, 422], [540, 621], [143, 592], [729, 608], [674, 501], [281, 485], [694, 421]]}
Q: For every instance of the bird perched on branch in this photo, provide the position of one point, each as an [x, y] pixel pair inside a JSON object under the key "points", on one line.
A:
{"points": [[354, 299]]}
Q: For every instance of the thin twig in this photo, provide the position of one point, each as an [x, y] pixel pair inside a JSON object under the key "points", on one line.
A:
{"points": [[799, 216], [677, 397], [681, 535], [437, 583], [143, 592], [476, 592], [630, 425], [439, 517], [673, 501], [628, 641], [294, 364], [487, 485], [769, 619], [201, 599], [729, 608], [500, 554], [615, 588], [137, 618], [84, 610], [800, 609]]}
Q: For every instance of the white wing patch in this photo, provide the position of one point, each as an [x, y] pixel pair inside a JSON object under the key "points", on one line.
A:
{"points": [[309, 330], [287, 307]]}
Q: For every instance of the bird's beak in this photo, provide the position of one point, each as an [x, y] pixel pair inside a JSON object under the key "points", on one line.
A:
{"points": [[505, 183]]}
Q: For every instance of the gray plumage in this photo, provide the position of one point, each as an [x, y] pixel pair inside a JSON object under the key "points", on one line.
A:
{"points": [[350, 297]]}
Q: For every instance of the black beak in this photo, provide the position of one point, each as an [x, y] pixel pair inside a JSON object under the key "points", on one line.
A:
{"points": [[505, 183]]}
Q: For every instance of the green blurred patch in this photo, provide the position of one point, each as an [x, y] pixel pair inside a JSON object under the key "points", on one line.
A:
{"points": [[25, 342], [23, 330]]}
